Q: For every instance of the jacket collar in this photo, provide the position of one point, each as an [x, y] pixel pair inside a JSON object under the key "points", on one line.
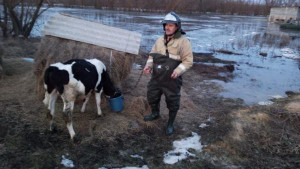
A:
{"points": [[177, 35]]}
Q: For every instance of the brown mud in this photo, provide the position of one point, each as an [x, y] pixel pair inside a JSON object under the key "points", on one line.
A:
{"points": [[237, 136]]}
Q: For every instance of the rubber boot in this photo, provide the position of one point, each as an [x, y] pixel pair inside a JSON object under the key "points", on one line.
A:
{"points": [[170, 126], [154, 114]]}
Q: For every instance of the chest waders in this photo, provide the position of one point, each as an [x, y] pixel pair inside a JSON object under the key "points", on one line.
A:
{"points": [[162, 83]]}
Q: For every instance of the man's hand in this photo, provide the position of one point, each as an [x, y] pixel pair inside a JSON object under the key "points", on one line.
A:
{"points": [[147, 70], [174, 75]]}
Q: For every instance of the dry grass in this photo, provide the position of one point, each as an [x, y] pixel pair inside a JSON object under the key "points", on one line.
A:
{"points": [[54, 49], [266, 132]]}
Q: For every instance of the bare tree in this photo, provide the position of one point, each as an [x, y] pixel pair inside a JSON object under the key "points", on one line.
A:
{"points": [[290, 3], [23, 15], [245, 7], [4, 20]]}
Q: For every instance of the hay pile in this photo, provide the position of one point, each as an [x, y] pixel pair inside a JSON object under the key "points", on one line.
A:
{"points": [[53, 49]]}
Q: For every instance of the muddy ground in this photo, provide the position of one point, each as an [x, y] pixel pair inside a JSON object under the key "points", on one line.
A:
{"points": [[237, 136]]}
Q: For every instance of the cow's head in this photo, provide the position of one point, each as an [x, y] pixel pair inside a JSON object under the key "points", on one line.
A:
{"points": [[117, 93], [108, 87]]}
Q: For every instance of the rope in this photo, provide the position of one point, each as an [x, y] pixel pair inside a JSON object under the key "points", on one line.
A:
{"points": [[110, 58], [138, 81]]}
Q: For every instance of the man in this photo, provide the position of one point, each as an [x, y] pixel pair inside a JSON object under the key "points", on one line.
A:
{"points": [[169, 58]]}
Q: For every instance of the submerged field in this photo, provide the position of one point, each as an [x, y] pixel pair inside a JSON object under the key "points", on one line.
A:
{"points": [[217, 132]]}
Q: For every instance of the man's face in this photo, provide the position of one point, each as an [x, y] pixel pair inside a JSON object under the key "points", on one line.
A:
{"points": [[170, 28]]}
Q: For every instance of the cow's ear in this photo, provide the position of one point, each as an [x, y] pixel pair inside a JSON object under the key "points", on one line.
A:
{"points": [[64, 76]]}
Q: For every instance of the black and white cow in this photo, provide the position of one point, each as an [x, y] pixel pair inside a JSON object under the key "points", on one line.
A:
{"points": [[72, 78]]}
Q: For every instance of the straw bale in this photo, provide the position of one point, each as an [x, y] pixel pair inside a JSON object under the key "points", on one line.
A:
{"points": [[53, 49]]}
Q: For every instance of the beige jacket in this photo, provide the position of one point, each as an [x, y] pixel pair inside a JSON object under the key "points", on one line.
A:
{"points": [[179, 49]]}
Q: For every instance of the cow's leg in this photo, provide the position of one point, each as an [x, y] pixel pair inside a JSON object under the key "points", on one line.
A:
{"points": [[51, 100], [68, 110], [98, 102], [85, 102], [46, 99]]}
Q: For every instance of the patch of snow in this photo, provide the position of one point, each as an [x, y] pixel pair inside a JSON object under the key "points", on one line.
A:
{"points": [[277, 97], [247, 34], [254, 33], [143, 167], [265, 103], [202, 125], [136, 156], [211, 30], [215, 17], [30, 60], [211, 119], [136, 66], [66, 162], [289, 53], [181, 148]]}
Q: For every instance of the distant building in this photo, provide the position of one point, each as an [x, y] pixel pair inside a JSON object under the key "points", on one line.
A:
{"points": [[284, 14]]}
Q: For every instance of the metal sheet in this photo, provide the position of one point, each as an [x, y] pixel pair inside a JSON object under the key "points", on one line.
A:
{"points": [[69, 27]]}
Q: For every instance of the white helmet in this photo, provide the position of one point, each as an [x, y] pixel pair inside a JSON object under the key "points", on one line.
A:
{"points": [[172, 17]]}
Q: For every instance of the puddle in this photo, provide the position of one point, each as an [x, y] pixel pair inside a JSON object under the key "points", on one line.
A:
{"points": [[259, 79]]}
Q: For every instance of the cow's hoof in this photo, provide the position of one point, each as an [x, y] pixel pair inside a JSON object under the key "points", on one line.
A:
{"points": [[76, 140], [53, 129]]}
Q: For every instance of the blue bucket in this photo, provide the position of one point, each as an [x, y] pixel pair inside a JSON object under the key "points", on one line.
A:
{"points": [[116, 104]]}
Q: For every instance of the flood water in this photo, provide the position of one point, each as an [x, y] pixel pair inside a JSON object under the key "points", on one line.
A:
{"points": [[257, 78]]}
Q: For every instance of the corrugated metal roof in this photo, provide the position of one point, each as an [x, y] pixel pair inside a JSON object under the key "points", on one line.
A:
{"points": [[69, 27]]}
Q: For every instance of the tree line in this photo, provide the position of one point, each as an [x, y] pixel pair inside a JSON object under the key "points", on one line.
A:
{"points": [[240, 7], [17, 17]]}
